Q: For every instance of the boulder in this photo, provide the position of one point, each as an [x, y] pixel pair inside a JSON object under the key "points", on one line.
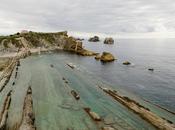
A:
{"points": [[151, 69], [109, 40], [107, 57], [126, 63], [98, 57], [94, 39]]}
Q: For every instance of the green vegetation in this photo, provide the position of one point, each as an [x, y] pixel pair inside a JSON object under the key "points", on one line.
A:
{"points": [[35, 38]]}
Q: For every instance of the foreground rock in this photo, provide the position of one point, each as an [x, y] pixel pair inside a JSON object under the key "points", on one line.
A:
{"points": [[109, 40], [107, 57], [28, 119], [94, 39], [93, 115], [143, 112], [4, 111]]}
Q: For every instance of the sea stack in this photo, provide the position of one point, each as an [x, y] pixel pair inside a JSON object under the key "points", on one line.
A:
{"points": [[94, 39], [109, 40], [107, 57]]}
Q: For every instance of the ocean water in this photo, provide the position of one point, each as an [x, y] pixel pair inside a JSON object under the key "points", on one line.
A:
{"points": [[56, 109], [157, 87], [54, 106]]}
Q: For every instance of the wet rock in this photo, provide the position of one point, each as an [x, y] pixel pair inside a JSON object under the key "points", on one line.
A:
{"points": [[4, 111], [18, 63], [151, 69], [51, 66], [98, 57], [66, 82], [109, 40], [93, 115], [94, 39], [126, 63], [107, 57], [13, 83], [85, 52], [75, 94], [28, 119]]}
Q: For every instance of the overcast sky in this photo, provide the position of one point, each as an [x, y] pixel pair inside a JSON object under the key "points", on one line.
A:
{"points": [[103, 16]]}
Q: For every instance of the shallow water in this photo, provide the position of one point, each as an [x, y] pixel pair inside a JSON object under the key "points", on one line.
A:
{"points": [[54, 106]]}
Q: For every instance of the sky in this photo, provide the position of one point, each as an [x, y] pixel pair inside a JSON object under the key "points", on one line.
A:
{"points": [[84, 17]]}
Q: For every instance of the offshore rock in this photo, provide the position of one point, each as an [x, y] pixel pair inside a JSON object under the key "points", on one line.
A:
{"points": [[94, 39], [107, 57], [109, 40], [126, 63]]}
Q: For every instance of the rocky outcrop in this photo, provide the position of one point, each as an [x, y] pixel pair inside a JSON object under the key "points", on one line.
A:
{"points": [[35, 40], [71, 44], [151, 69], [28, 119], [126, 63], [142, 111], [4, 111], [93, 115], [98, 57], [94, 39], [109, 40], [107, 57]]}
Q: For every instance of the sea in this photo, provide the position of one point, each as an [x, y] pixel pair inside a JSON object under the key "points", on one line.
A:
{"points": [[157, 87]]}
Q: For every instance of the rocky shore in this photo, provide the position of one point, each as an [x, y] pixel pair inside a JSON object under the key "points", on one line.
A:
{"points": [[36, 42], [142, 111]]}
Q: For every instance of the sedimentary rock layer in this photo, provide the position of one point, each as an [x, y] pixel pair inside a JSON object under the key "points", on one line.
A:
{"points": [[28, 117]]}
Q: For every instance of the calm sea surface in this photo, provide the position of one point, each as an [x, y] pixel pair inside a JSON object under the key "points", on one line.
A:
{"points": [[157, 87], [56, 109]]}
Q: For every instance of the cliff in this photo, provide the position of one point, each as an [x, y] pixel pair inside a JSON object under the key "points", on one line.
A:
{"points": [[44, 40]]}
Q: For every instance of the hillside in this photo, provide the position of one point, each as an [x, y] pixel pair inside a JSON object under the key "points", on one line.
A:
{"points": [[31, 40]]}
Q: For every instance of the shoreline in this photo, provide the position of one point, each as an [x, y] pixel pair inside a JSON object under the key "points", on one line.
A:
{"points": [[131, 104]]}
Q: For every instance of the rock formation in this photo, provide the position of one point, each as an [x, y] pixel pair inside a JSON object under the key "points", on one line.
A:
{"points": [[126, 63], [28, 119], [109, 40], [98, 57], [107, 57], [32, 40], [94, 39], [4, 111]]}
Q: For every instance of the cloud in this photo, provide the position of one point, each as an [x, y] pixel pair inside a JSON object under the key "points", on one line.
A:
{"points": [[110, 17]]}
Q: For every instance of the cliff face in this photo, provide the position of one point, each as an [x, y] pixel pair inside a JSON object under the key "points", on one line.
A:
{"points": [[45, 40]]}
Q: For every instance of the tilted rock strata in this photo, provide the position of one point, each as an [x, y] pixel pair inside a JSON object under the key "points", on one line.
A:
{"points": [[28, 117]]}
